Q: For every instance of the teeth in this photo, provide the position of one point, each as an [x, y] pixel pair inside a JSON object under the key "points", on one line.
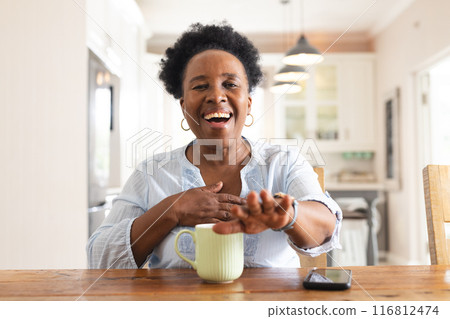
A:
{"points": [[217, 115]]}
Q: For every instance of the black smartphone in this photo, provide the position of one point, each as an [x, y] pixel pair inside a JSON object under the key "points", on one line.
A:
{"points": [[328, 279]]}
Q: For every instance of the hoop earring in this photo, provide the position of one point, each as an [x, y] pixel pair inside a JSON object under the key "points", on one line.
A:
{"points": [[251, 122], [184, 129]]}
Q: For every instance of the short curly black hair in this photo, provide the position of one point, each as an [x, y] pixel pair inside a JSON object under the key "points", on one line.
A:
{"points": [[199, 38]]}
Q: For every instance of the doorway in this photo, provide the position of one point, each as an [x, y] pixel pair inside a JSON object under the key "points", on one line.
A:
{"points": [[434, 112]]}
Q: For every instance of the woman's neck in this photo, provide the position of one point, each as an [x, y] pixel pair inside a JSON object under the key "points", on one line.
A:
{"points": [[213, 153]]}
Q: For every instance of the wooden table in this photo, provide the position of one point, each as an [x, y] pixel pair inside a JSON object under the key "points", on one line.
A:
{"points": [[370, 283]]}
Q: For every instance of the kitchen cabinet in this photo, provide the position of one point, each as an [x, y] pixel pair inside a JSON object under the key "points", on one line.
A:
{"points": [[336, 106]]}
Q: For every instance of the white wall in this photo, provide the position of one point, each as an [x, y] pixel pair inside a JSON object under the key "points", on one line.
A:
{"points": [[416, 36], [43, 142]]}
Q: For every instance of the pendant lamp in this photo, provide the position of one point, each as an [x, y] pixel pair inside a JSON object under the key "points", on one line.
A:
{"points": [[302, 53], [285, 88], [287, 77], [291, 73]]}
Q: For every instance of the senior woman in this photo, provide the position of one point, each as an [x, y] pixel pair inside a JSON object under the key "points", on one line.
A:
{"points": [[220, 177]]}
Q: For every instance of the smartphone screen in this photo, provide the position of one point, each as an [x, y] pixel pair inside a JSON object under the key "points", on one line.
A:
{"points": [[328, 279]]}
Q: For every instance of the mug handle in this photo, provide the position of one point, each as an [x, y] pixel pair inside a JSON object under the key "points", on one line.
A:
{"points": [[191, 262]]}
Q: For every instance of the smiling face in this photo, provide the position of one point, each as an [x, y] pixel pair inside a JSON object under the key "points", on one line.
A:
{"points": [[215, 99]]}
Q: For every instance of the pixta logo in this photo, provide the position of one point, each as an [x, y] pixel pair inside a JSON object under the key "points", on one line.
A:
{"points": [[153, 150], [148, 145]]}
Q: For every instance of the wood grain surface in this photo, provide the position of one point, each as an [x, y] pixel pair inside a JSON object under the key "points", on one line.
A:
{"points": [[436, 182], [370, 283]]}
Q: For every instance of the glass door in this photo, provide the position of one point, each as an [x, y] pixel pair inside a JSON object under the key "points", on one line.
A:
{"points": [[326, 97], [297, 114]]}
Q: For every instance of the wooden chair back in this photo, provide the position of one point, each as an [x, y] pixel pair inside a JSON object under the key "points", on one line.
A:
{"points": [[321, 260], [436, 182]]}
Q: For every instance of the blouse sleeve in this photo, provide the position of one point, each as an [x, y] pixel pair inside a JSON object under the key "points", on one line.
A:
{"points": [[110, 246], [302, 183]]}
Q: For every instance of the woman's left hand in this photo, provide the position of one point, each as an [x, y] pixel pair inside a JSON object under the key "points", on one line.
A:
{"points": [[257, 217]]}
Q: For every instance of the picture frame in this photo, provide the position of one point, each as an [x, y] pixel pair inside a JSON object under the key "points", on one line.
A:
{"points": [[392, 179]]}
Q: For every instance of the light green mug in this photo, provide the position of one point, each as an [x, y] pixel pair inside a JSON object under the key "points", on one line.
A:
{"points": [[218, 258]]}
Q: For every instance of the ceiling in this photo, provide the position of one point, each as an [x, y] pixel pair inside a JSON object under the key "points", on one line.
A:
{"points": [[166, 19]]}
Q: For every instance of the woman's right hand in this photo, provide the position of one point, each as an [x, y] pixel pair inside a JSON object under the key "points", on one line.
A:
{"points": [[204, 205]]}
